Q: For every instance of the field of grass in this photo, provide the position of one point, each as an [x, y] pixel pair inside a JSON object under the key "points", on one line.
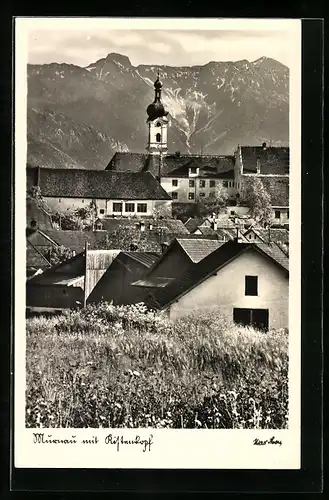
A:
{"points": [[107, 366]]}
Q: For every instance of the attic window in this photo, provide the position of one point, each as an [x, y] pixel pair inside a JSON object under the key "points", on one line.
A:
{"points": [[193, 170], [251, 285], [158, 124], [33, 223]]}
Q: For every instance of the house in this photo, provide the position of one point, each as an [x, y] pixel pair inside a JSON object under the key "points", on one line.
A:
{"points": [[68, 284], [111, 193], [116, 283], [244, 282], [271, 166], [180, 255]]}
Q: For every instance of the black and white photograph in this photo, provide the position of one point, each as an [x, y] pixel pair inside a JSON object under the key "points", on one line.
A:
{"points": [[157, 207]]}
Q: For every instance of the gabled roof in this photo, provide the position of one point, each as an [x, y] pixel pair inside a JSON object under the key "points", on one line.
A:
{"points": [[197, 273], [271, 234], [272, 160], [198, 249], [63, 273], [193, 222], [175, 164], [103, 184]]}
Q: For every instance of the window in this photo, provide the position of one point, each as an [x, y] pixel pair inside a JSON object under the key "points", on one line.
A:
{"points": [[174, 182], [142, 207], [193, 170], [82, 201], [130, 207], [258, 318], [202, 194], [277, 214], [202, 184], [174, 195], [212, 194], [117, 207], [225, 184], [212, 184], [251, 285], [158, 124], [191, 184], [287, 214], [191, 196], [59, 200], [158, 137], [102, 211], [232, 212]]}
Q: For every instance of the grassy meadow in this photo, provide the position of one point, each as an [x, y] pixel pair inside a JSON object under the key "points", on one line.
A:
{"points": [[107, 366]]}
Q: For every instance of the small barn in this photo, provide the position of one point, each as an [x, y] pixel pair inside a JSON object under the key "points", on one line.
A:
{"points": [[115, 285]]}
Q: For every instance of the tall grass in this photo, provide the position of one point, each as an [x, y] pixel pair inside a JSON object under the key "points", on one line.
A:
{"points": [[107, 366]]}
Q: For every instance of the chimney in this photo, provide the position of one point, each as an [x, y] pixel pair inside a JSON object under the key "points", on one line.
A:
{"points": [[214, 224], [164, 247]]}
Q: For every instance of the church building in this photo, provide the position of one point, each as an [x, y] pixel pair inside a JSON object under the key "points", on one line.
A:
{"points": [[190, 178]]}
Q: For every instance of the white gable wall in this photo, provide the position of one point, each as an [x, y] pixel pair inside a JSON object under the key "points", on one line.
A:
{"points": [[226, 291]]}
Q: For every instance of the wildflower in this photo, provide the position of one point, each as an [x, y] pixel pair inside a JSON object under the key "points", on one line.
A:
{"points": [[137, 374]]}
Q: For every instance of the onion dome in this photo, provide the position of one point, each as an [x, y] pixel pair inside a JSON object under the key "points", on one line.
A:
{"points": [[156, 109]]}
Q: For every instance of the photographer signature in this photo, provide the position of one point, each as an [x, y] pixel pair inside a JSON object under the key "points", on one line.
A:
{"points": [[272, 440]]}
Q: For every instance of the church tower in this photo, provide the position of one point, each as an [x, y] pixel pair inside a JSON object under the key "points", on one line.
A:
{"points": [[157, 122]]}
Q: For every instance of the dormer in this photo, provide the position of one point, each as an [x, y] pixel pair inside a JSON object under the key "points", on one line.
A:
{"points": [[193, 171]]}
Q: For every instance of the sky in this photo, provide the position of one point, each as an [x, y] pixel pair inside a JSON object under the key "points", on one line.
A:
{"points": [[174, 47]]}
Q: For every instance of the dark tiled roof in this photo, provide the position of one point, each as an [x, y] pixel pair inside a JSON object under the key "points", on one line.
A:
{"points": [[75, 240], [153, 282], [198, 249], [273, 235], [193, 222], [62, 273], [145, 258], [271, 160], [211, 165], [196, 273], [104, 184], [172, 226]]}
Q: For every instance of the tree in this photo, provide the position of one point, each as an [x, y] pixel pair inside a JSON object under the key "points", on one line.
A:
{"points": [[79, 219], [33, 194], [259, 202], [213, 204], [59, 254]]}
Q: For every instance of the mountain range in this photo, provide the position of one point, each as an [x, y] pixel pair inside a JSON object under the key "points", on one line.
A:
{"points": [[79, 116]]}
